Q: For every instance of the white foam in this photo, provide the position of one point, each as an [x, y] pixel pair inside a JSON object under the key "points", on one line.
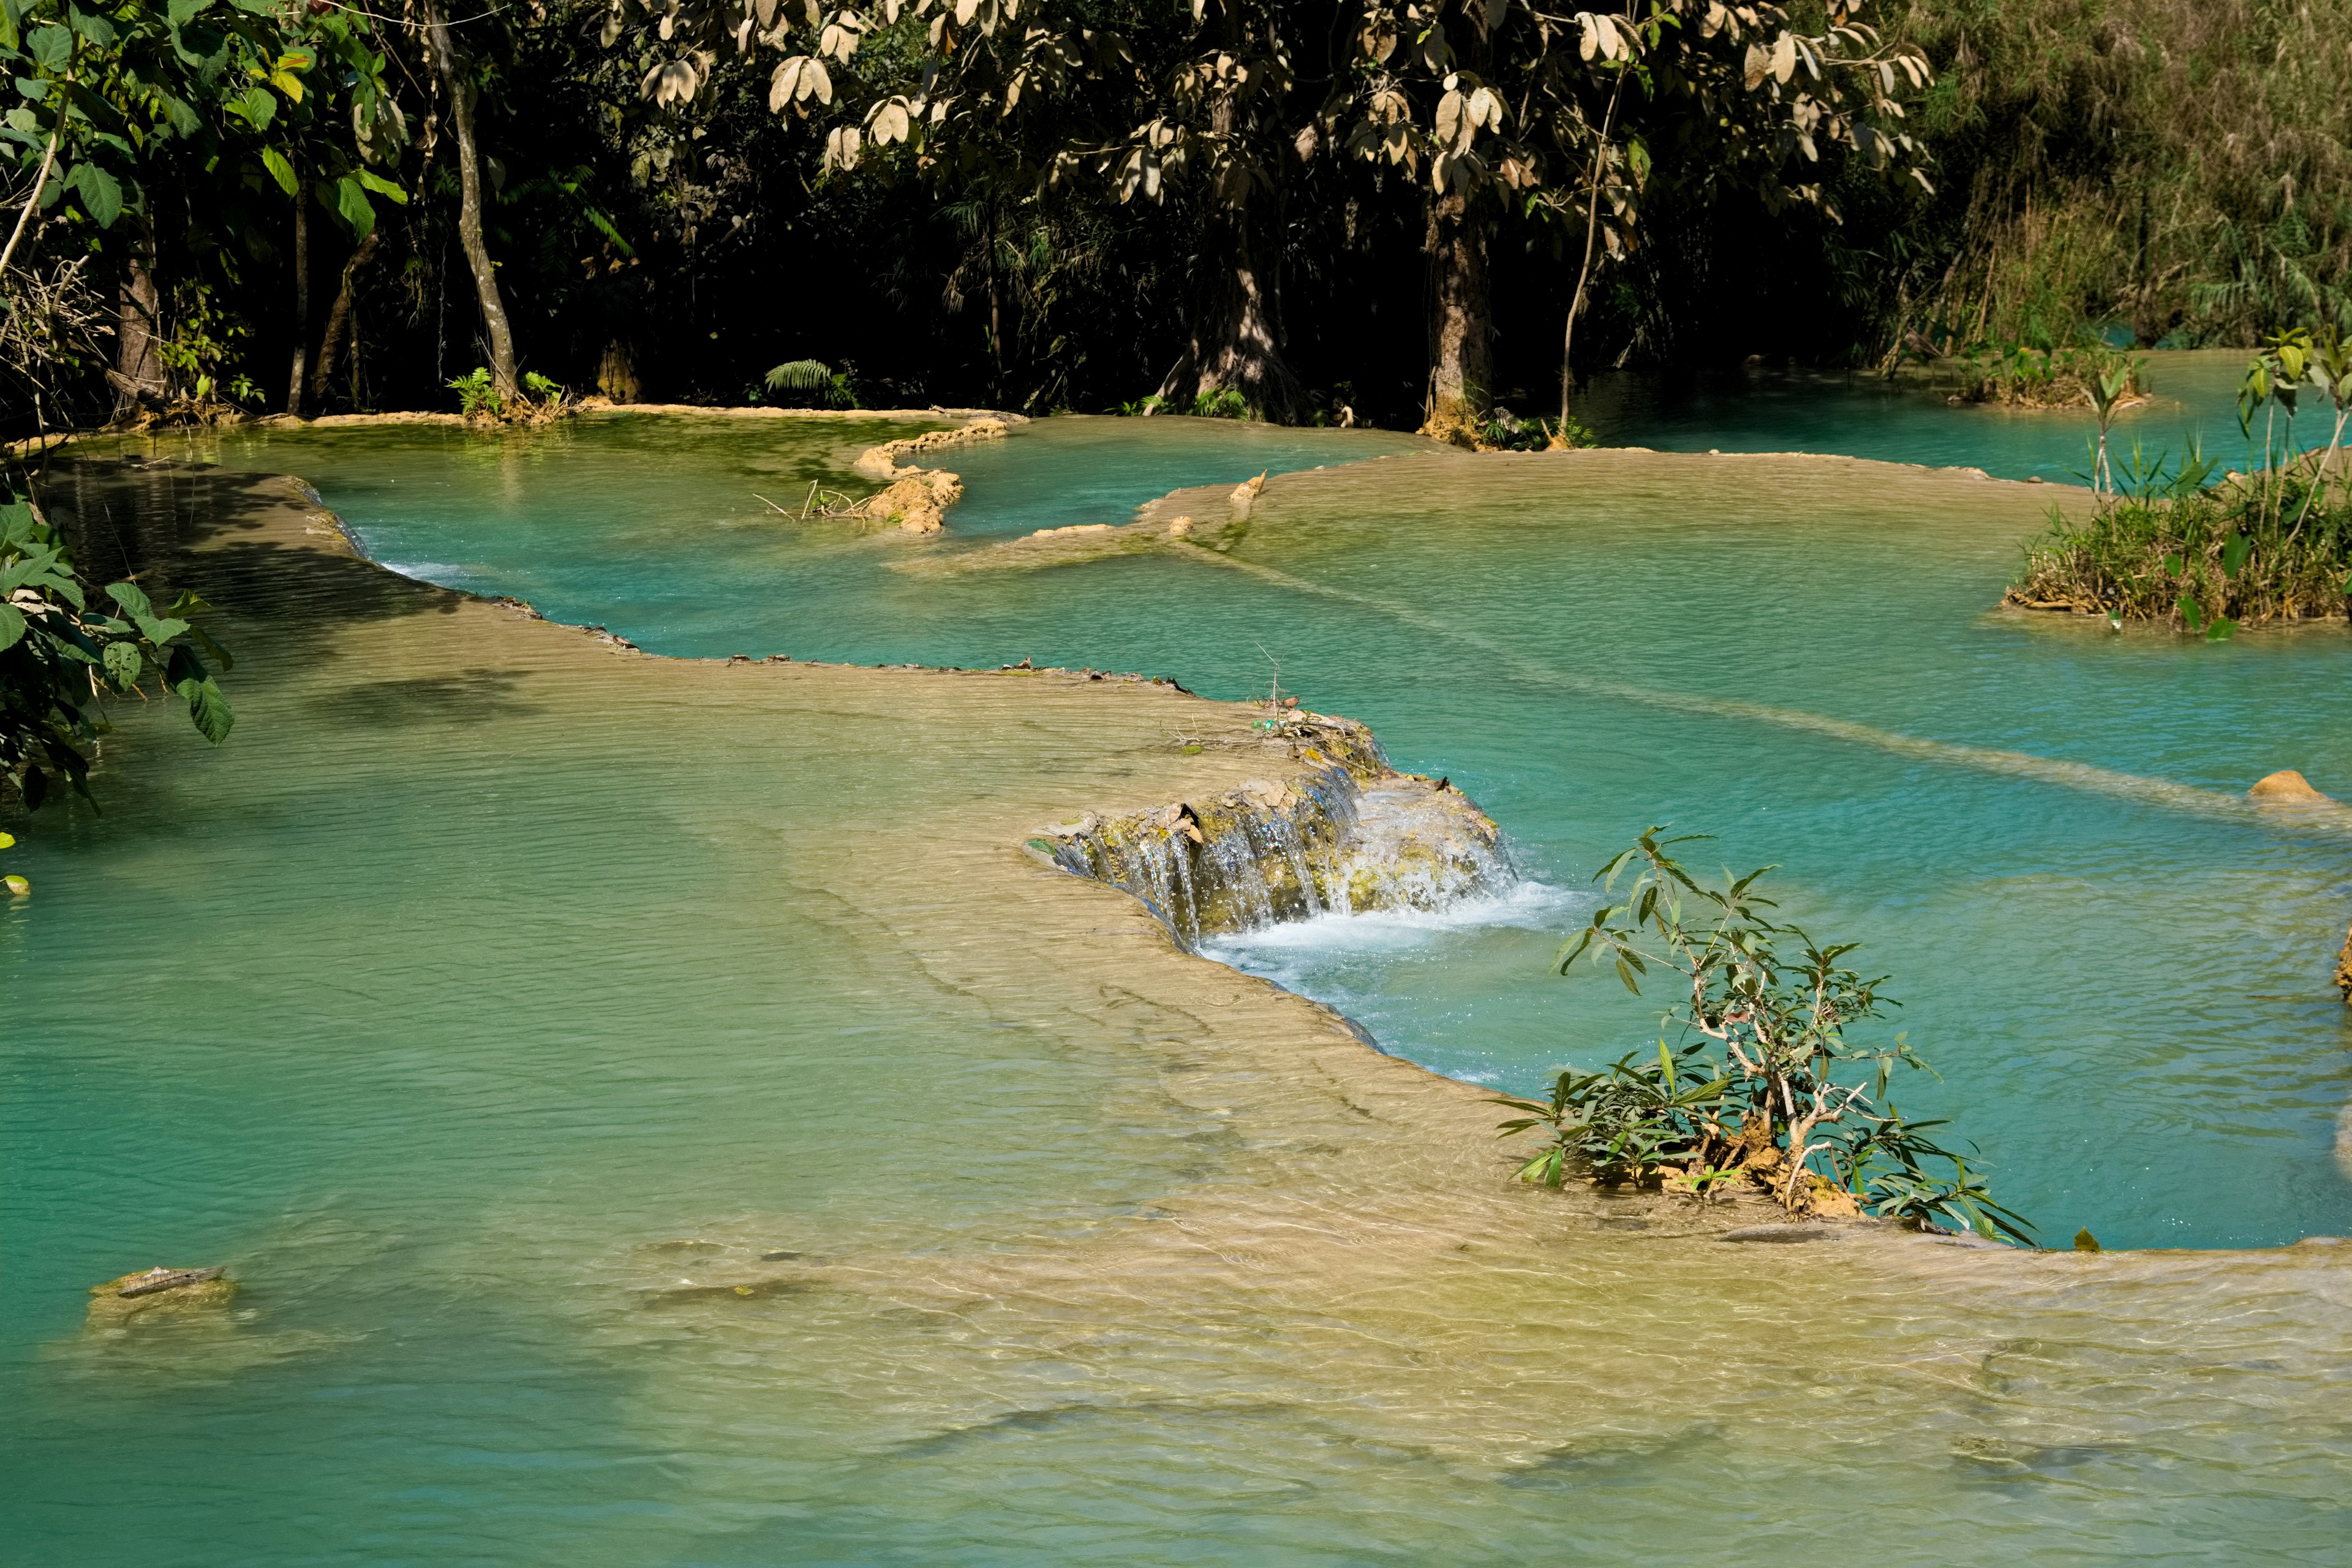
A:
{"points": [[439, 573], [1524, 905]]}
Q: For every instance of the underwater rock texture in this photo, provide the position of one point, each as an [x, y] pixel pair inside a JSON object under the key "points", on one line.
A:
{"points": [[159, 1288], [1346, 836]]}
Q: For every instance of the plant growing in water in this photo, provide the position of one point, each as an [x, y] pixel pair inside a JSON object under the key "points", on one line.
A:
{"points": [[1760, 1097], [2274, 544]]}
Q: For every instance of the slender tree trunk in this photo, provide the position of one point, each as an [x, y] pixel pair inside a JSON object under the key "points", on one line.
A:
{"points": [[1461, 377], [1584, 271], [137, 375], [339, 315], [32, 202], [470, 203], [301, 373]]}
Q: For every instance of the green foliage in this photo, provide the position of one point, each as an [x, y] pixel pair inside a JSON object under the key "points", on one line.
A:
{"points": [[2183, 167], [477, 394], [1763, 1091], [807, 383], [16, 886], [2273, 546], [60, 657], [1505, 433], [799, 375]]}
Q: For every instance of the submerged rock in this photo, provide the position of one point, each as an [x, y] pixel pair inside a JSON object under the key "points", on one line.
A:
{"points": [[160, 1287], [2287, 787]]}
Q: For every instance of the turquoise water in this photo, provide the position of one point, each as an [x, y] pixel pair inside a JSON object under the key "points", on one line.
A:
{"points": [[2192, 398], [2127, 999], [457, 989]]}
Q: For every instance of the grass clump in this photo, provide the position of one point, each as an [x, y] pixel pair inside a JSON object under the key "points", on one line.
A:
{"points": [[1764, 1090], [2274, 545]]}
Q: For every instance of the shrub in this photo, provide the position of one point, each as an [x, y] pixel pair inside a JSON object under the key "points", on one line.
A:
{"points": [[1759, 1097]]}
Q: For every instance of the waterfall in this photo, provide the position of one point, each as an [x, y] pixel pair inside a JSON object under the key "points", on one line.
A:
{"points": [[1349, 838]]}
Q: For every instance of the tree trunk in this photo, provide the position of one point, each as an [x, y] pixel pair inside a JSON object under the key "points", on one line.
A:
{"points": [[1236, 341], [138, 375], [294, 381], [1461, 375], [469, 201], [339, 315]]}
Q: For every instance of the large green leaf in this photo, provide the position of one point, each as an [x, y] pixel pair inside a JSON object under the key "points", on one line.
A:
{"points": [[384, 187], [51, 44], [132, 597], [351, 206], [100, 193], [279, 169], [208, 708], [12, 625], [125, 664]]}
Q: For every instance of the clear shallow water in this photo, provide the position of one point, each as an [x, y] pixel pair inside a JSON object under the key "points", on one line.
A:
{"points": [[2124, 988], [467, 978], [2193, 396]]}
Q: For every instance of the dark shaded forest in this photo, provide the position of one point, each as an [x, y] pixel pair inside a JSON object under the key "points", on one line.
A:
{"points": [[1335, 210]]}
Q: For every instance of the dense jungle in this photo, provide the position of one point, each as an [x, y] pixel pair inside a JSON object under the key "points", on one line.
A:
{"points": [[1309, 211]]}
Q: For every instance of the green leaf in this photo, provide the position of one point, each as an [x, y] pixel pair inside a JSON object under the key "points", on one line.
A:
{"points": [[182, 12], [351, 206], [279, 169], [2221, 629], [125, 664], [51, 44], [100, 193], [132, 597], [12, 625], [2190, 616], [384, 187], [2234, 551], [160, 632], [208, 708], [2085, 1241]]}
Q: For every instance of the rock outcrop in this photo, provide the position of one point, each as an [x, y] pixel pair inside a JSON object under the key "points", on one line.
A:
{"points": [[1346, 835], [2287, 787], [159, 1288], [916, 502], [882, 462]]}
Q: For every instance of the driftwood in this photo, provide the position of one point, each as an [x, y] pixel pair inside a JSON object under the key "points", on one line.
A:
{"points": [[156, 1279]]}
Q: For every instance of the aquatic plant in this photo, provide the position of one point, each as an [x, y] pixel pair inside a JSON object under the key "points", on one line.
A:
{"points": [[2276, 545], [1760, 1096], [14, 884], [60, 657]]}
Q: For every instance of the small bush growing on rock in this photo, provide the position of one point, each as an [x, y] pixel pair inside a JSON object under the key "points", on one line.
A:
{"points": [[1757, 1100]]}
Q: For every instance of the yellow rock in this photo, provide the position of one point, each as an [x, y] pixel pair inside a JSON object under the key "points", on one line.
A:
{"points": [[2289, 787]]}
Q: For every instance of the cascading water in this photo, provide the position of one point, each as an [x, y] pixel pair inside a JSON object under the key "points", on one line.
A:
{"points": [[1349, 837]]}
